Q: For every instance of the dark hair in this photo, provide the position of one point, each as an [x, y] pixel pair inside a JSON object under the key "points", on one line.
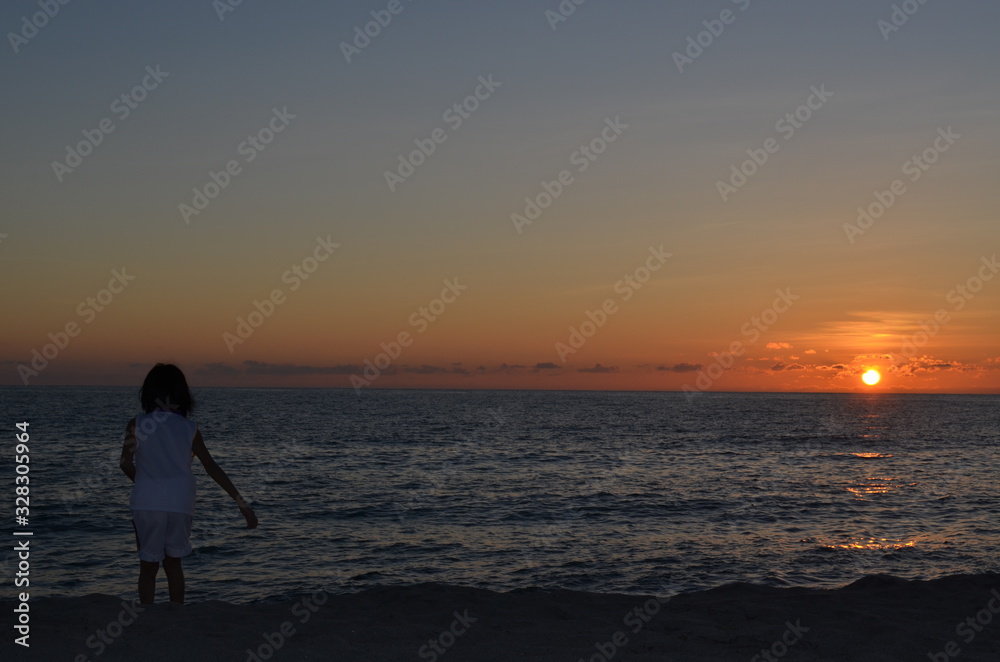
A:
{"points": [[166, 388]]}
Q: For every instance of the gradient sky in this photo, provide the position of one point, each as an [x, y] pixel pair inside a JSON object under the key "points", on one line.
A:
{"points": [[655, 186]]}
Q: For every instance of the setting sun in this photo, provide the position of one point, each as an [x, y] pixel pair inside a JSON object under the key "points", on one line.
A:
{"points": [[871, 377]]}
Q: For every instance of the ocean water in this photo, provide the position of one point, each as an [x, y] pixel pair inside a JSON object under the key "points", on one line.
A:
{"points": [[598, 491]]}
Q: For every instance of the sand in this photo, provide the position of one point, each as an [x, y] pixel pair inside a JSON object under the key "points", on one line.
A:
{"points": [[875, 618]]}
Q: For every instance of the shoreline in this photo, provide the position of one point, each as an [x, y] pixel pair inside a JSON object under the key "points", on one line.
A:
{"points": [[875, 618]]}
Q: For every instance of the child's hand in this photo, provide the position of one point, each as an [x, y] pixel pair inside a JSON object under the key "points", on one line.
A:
{"points": [[250, 516]]}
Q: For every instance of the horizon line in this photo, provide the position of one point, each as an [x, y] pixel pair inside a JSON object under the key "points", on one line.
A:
{"points": [[529, 390]]}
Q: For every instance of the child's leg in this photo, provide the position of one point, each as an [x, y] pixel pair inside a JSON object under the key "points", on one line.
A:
{"points": [[175, 578], [147, 580]]}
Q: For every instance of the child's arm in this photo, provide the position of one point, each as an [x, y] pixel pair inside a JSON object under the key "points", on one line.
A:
{"points": [[127, 462], [219, 476]]}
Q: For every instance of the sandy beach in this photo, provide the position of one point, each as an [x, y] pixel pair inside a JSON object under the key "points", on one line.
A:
{"points": [[875, 618]]}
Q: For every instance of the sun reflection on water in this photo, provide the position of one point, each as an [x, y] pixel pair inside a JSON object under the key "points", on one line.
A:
{"points": [[876, 544], [873, 485]]}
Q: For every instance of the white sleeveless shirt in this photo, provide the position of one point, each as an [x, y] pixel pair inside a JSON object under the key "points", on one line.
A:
{"points": [[163, 477]]}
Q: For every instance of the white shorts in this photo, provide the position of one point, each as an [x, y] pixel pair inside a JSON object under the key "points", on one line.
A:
{"points": [[158, 532]]}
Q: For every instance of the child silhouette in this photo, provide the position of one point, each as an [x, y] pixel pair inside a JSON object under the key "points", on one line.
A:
{"points": [[160, 445]]}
